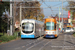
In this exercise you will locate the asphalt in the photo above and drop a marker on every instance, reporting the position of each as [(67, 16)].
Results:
[(65, 41)]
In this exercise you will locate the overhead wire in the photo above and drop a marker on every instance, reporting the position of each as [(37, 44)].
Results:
[(57, 4), (52, 6), (49, 7)]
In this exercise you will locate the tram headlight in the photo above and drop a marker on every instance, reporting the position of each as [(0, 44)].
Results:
[(45, 34), (53, 32)]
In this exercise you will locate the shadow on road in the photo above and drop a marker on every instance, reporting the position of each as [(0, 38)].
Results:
[(50, 38), (70, 42), (29, 38)]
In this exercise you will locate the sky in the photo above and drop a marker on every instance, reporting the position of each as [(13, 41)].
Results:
[(53, 10)]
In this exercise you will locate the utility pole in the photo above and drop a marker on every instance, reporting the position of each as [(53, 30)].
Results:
[(14, 12), (59, 17), (20, 13), (62, 13), (59, 14), (11, 33)]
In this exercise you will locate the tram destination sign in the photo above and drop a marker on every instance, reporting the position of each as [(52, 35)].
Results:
[(36, 0)]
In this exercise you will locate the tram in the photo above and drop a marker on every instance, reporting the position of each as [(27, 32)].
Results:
[(69, 28), (51, 28), (31, 28)]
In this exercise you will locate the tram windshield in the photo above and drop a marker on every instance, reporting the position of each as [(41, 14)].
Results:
[(68, 28), (27, 27), (50, 26)]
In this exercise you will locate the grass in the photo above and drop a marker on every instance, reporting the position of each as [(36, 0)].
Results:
[(74, 34), (1, 33)]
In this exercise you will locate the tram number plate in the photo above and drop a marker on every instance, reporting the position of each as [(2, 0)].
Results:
[(51, 36)]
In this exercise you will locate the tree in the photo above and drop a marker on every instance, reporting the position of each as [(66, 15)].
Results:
[(3, 25), (56, 15), (28, 13), (72, 4)]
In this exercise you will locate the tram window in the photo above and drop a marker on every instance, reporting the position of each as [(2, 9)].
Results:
[(68, 27), (23, 27), (55, 26), (28, 27), (23, 23), (44, 26), (50, 26)]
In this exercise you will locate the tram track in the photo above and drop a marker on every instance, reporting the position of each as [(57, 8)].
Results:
[(65, 41), (39, 45), (68, 43), (72, 41), (44, 45), (30, 43)]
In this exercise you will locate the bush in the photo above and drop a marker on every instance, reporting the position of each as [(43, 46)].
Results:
[(17, 34), (7, 38), (4, 38), (1, 33), (74, 34)]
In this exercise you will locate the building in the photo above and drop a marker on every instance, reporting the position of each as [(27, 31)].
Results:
[(65, 21)]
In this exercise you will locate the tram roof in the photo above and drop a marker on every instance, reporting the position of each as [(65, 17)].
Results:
[(50, 20), (34, 20)]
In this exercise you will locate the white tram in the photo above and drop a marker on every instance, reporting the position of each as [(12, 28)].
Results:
[(31, 28)]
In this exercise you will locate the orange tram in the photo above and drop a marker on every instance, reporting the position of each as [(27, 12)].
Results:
[(51, 28)]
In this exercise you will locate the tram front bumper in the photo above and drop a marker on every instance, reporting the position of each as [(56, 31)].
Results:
[(50, 36), (27, 36)]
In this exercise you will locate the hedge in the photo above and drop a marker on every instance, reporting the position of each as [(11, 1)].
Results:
[(6, 38), (74, 34)]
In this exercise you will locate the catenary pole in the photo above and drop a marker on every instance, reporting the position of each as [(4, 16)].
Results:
[(59, 16), (62, 13), (11, 33)]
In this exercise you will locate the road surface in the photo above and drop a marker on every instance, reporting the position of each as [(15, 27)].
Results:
[(65, 41)]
